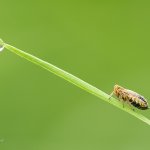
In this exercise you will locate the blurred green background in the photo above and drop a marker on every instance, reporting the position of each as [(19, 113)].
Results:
[(103, 43)]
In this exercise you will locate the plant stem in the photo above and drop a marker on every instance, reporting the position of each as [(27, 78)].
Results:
[(74, 80)]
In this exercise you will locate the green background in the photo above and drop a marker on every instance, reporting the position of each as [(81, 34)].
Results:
[(103, 43)]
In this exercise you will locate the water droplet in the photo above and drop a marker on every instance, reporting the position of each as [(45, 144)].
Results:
[(1, 48), (1, 45)]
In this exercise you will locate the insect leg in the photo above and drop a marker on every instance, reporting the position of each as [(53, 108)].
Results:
[(111, 95), (130, 106), (122, 102)]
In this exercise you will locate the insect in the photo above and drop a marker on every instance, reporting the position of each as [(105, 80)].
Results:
[(130, 97)]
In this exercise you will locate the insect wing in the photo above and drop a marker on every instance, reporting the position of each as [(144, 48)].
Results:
[(132, 93)]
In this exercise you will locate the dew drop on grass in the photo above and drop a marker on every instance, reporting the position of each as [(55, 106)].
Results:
[(1, 45), (1, 48)]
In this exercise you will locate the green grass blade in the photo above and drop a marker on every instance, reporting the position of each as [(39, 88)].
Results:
[(74, 80)]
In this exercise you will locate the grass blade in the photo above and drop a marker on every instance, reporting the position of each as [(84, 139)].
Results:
[(74, 80)]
